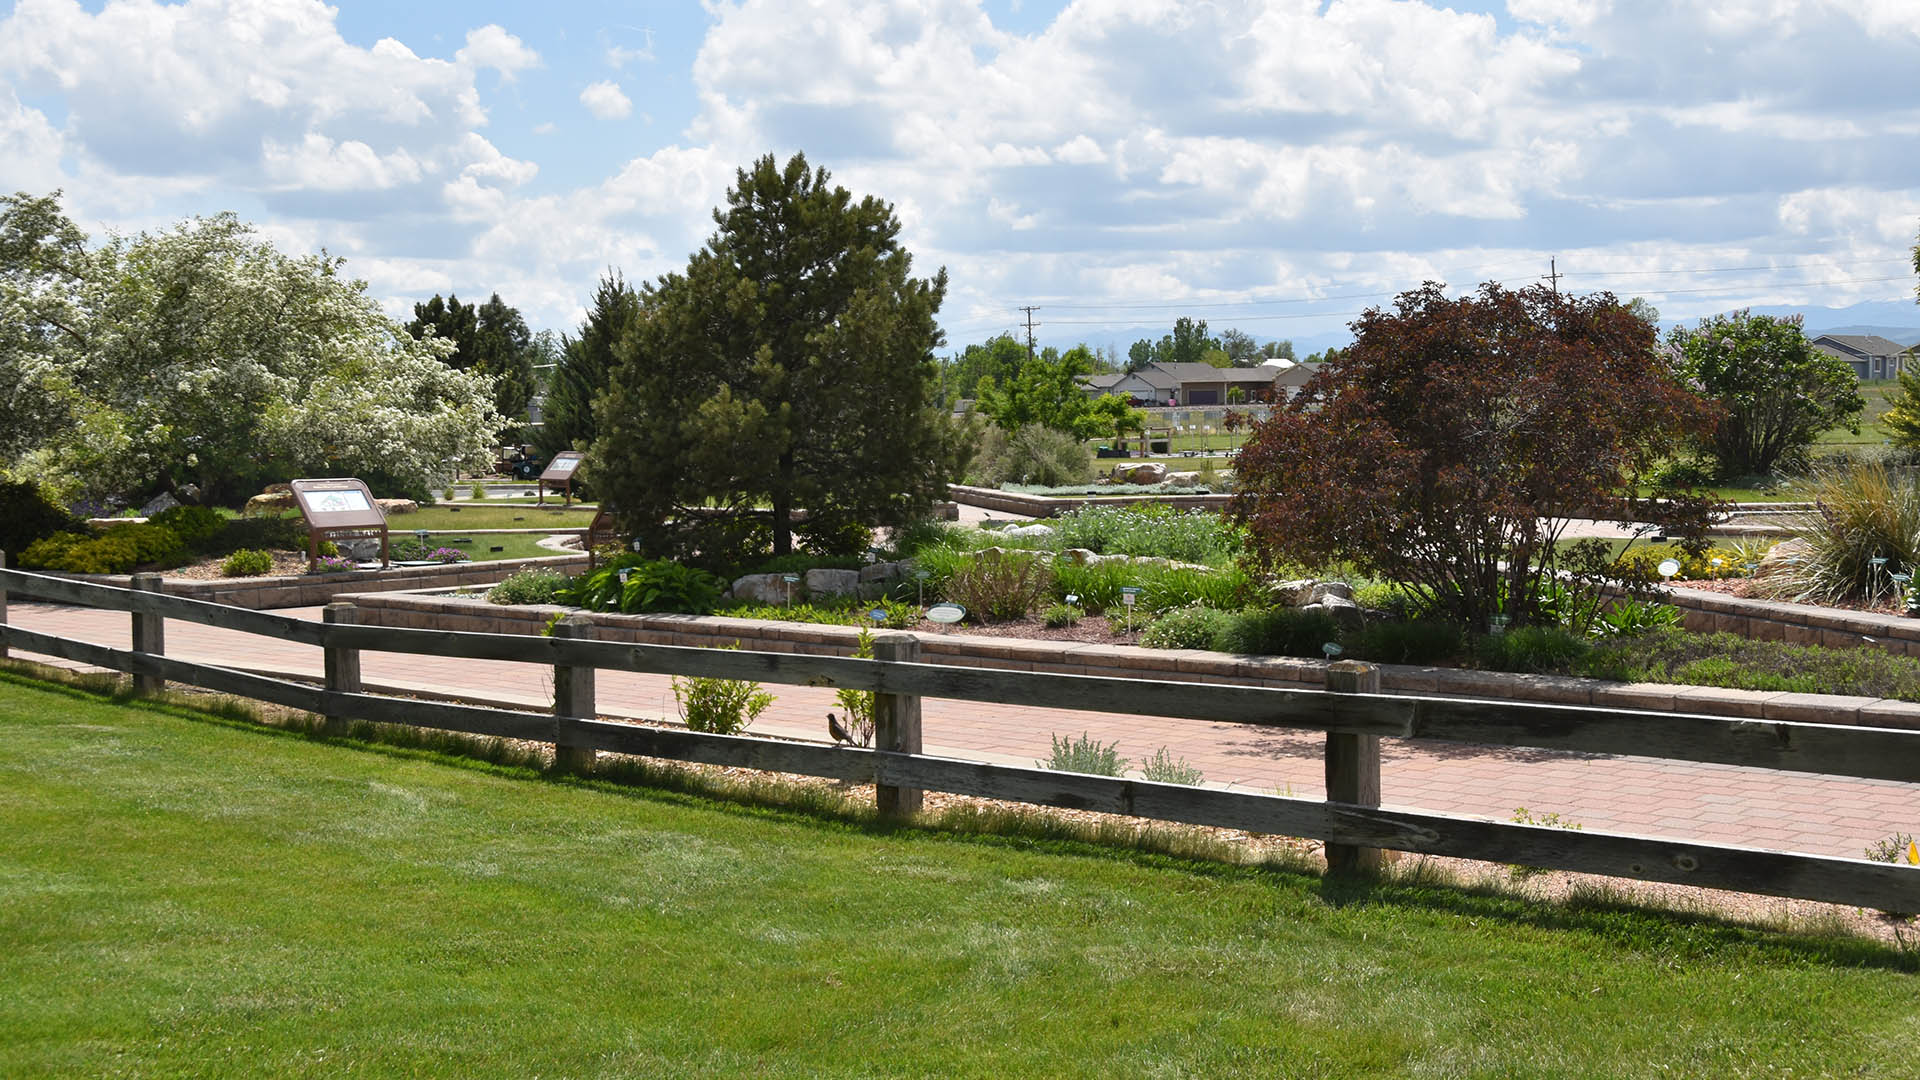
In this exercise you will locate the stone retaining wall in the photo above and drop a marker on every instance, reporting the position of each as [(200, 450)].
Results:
[(308, 590), (1798, 624), (1042, 506), (1186, 665)]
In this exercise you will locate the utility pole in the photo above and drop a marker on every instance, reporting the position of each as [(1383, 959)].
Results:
[(1553, 274), (1029, 309)]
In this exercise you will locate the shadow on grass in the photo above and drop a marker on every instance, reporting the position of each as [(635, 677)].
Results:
[(1414, 884)]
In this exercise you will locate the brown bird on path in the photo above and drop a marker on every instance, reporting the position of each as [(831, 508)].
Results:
[(838, 730)]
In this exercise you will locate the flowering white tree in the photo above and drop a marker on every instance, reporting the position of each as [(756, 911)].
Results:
[(202, 356)]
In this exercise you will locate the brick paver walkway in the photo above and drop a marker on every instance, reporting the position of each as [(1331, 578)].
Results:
[(1723, 804)]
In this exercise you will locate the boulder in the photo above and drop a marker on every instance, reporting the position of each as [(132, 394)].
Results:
[(765, 589), (1079, 557), (833, 582), (1346, 614), (397, 506), (1030, 530), (1184, 479), (1292, 593), (272, 502), (1146, 472), (359, 550), (1322, 590), (882, 571), (278, 489), (1781, 556), (159, 504)]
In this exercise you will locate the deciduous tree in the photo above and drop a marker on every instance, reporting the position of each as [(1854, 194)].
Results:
[(789, 367), (202, 361), (1775, 391), (1047, 392), (1446, 446)]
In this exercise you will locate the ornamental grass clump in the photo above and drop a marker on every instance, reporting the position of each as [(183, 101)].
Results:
[(996, 587), (1863, 512)]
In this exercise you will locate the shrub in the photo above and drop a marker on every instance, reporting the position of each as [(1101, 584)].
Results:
[(1643, 563), (1164, 588), (1898, 848), (247, 562), (856, 706), (1033, 455), (1059, 615), (477, 491), (1198, 537), (271, 533), (1739, 663), (27, 515), (1631, 618), (1162, 767), (911, 539), (1530, 649), (1085, 755), (529, 586), (1865, 513), (1423, 641), (199, 527), (719, 706), (648, 585), (1186, 628), (999, 588), (115, 551), (1279, 631)]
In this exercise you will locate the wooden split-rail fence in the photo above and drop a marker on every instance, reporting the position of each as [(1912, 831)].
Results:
[(1351, 713)]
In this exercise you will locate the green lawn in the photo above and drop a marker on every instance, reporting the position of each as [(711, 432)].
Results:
[(489, 516), (182, 895)]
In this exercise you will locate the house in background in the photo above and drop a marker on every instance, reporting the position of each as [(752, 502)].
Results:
[(1870, 356), (1197, 384)]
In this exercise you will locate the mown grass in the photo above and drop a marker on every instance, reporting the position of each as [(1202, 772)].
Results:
[(489, 516), (186, 895)]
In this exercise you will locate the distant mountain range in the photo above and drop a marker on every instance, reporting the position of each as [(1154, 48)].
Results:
[(1895, 320)]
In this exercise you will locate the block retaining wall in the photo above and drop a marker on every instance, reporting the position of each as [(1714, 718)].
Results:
[(308, 590), (1797, 624), (430, 612)]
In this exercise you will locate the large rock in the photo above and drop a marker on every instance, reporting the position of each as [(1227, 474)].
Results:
[(1146, 472), (1030, 530), (1346, 614), (272, 502), (1781, 556), (367, 550), (397, 506), (1184, 479), (1292, 593), (833, 582), (882, 572), (159, 504), (1079, 557), (1322, 590), (765, 589)]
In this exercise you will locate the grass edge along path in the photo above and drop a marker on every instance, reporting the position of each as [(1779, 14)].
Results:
[(185, 892)]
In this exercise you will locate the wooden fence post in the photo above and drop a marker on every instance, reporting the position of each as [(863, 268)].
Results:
[(572, 700), (343, 664), (149, 636), (3, 605), (1353, 766), (896, 725)]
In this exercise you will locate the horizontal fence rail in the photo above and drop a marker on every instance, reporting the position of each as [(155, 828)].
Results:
[(1832, 750)]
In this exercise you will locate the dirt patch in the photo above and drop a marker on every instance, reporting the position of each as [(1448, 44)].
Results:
[(285, 563), (1747, 589)]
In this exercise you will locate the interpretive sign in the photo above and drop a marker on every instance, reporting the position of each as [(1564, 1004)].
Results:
[(559, 475), (339, 509)]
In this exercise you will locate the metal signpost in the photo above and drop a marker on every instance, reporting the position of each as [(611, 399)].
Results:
[(338, 509)]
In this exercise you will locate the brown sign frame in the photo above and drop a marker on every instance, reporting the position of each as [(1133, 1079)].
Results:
[(340, 508), (560, 478)]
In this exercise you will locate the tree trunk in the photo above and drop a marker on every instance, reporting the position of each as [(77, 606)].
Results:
[(783, 507)]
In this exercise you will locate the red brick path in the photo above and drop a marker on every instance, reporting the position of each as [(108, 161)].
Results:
[(1717, 803)]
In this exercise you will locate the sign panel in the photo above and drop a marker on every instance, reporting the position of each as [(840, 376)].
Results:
[(338, 504), (562, 467)]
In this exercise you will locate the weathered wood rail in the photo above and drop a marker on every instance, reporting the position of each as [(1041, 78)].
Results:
[(1351, 822)]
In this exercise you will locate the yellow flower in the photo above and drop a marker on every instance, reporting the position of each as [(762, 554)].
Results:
[(1913, 852)]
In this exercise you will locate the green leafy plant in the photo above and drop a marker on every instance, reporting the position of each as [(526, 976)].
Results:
[(1097, 585), (532, 585), (477, 491), (1898, 848), (1033, 455), (633, 584), (1185, 628), (271, 533), (1164, 587), (1551, 820), (1280, 631), (1163, 768), (1061, 615), (997, 588), (1736, 662), (1396, 642), (856, 706), (719, 706), (117, 550), (1148, 530), (1085, 755), (199, 527), (1630, 618), (1530, 649), (247, 562), (27, 515)]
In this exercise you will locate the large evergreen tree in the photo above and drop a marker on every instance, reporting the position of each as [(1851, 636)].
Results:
[(790, 366), (585, 367)]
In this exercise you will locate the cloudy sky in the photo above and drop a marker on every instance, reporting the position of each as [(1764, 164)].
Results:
[(1273, 166)]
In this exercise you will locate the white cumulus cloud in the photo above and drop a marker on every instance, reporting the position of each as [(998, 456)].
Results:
[(605, 100)]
